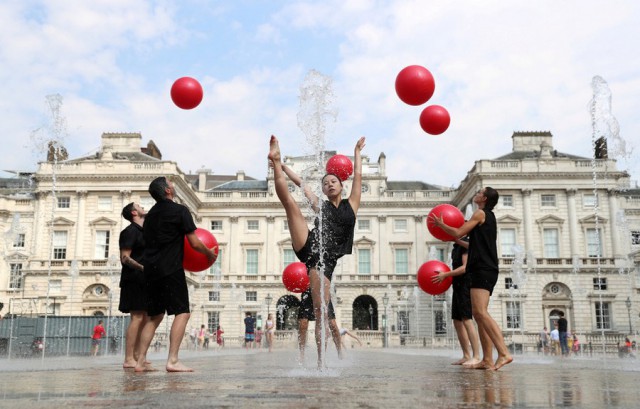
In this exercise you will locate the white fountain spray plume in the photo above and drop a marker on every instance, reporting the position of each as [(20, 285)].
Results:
[(48, 138), (605, 137), (315, 118), (113, 262), (518, 275)]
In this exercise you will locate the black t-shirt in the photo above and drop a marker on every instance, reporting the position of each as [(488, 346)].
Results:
[(483, 252), (132, 238), (562, 324), (249, 325), (337, 227), (165, 226)]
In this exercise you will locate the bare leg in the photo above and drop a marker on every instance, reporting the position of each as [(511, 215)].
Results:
[(175, 339), (297, 223), (320, 293), (148, 331), (303, 325), (463, 339), (132, 343), (337, 339), (490, 334), (472, 335)]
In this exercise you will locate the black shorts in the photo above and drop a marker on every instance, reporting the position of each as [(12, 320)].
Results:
[(484, 279), (461, 301), (305, 312), (168, 294), (133, 297), (310, 256)]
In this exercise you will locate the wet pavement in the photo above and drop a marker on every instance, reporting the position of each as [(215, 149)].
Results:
[(366, 378)]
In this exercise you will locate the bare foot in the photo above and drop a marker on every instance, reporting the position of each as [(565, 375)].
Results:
[(145, 368), (274, 150), (471, 362), (459, 361), (502, 361), (482, 365), (129, 364), (178, 367)]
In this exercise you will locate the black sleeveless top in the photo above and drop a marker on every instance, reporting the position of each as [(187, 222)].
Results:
[(456, 261), (483, 251), (337, 227)]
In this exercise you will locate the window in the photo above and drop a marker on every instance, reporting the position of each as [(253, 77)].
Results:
[(364, 188), (513, 315), (635, 237), (213, 320), (288, 257), (403, 322), (216, 225), (64, 202), (55, 286), (253, 225), (18, 242), (603, 317), (401, 261), (400, 225), (600, 283), (440, 323), (440, 253), (506, 200), (59, 245), (251, 296), (252, 261), (550, 238), (15, 278), (214, 295), (548, 200), (508, 283), (102, 244), (105, 203), (589, 200), (594, 243), (216, 268), (285, 225), (364, 261), (364, 225), (507, 241)]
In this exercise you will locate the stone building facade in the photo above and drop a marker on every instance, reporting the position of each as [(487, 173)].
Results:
[(569, 235)]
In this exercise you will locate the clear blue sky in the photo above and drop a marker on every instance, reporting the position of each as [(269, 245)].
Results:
[(499, 67)]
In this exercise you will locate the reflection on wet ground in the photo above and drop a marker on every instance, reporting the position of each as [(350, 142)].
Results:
[(371, 378)]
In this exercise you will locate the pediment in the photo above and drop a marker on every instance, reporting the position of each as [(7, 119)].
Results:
[(509, 219), (102, 221), (550, 219), (61, 221), (364, 241), (17, 257), (593, 219)]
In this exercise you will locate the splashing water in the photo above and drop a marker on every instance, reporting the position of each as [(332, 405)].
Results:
[(315, 119)]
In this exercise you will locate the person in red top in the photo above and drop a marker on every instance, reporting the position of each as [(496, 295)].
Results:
[(219, 339), (98, 333)]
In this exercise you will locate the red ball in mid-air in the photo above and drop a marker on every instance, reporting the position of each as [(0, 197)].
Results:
[(195, 261), (427, 271), (186, 93), (415, 85), (340, 166), (451, 216), (295, 277), (434, 119)]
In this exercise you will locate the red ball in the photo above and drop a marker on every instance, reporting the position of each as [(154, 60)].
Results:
[(428, 270), (434, 119), (195, 261), (186, 93), (451, 216), (295, 277), (340, 166), (415, 85)]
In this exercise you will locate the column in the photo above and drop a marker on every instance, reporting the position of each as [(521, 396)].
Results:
[(573, 222), (526, 219), (82, 200), (613, 225)]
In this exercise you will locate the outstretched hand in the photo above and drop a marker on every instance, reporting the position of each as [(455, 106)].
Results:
[(438, 277), (360, 144)]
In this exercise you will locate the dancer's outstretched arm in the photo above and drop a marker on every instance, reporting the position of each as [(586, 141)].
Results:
[(356, 187)]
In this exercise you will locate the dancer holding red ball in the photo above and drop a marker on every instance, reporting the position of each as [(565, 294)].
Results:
[(482, 264), (334, 240)]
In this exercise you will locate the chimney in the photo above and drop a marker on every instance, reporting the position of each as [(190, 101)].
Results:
[(601, 148), (202, 179), (240, 175)]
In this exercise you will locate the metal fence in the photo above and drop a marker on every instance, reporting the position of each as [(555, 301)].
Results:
[(22, 337)]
